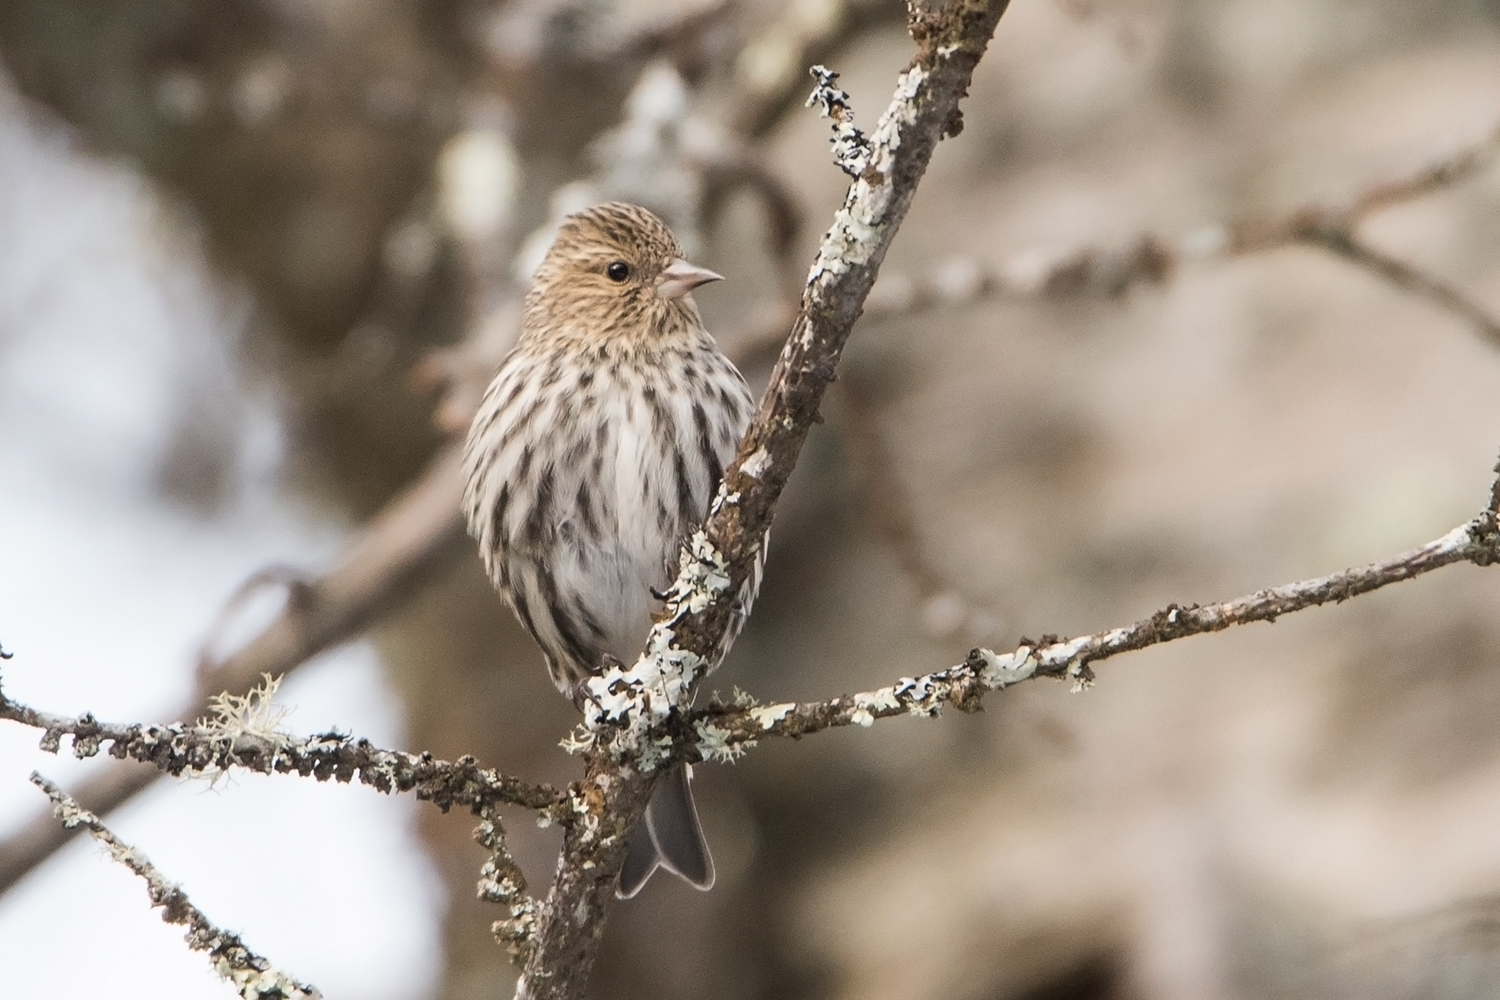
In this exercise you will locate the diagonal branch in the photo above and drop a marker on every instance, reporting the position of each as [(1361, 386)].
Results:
[(253, 977), (724, 732), (1350, 247), (636, 707)]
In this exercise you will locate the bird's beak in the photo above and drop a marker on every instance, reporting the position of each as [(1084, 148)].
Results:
[(680, 277)]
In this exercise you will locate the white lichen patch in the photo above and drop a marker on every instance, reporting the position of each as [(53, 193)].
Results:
[(254, 714), (716, 744), (858, 227), (851, 150), (767, 716), (1458, 538), (1064, 654), (882, 700), (577, 741), (757, 463), (239, 723), (260, 984), (1002, 671), (923, 696), (638, 698)]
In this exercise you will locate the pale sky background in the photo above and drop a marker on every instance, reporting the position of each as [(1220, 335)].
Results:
[(112, 332)]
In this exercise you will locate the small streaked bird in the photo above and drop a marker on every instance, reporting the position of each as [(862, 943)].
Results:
[(596, 451)]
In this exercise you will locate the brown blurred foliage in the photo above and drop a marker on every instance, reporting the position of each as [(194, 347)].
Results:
[(1304, 810)]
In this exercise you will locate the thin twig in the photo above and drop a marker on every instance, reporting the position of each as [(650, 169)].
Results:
[(1410, 278), (501, 881), (253, 977)]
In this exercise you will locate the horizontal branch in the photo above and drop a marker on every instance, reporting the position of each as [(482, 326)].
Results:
[(237, 738), (723, 732), (253, 977)]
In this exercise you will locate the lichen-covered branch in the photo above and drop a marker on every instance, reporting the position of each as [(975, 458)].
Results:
[(253, 977), (724, 731), (502, 882), (714, 565), (241, 734), (629, 726)]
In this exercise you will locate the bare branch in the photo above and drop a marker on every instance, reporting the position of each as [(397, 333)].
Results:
[(1406, 276), (723, 731), (234, 738), (253, 977), (1149, 259), (1444, 173)]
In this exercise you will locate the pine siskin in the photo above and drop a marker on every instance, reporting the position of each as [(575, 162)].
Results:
[(597, 449)]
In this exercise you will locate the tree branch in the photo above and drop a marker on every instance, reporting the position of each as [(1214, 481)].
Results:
[(1150, 258), (724, 732), (253, 977), (634, 711), (1408, 277), (243, 734)]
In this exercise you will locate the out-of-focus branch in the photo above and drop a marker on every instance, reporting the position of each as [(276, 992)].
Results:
[(1109, 272), (724, 731), (415, 536), (729, 163), (253, 977), (770, 73), (241, 732), (1407, 277), (637, 708), (887, 505)]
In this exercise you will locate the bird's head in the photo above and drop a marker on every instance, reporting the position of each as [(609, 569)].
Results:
[(615, 270)]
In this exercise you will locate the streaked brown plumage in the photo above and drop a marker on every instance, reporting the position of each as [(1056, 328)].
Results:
[(596, 450)]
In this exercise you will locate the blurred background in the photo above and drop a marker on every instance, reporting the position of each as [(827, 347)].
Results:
[(257, 258)]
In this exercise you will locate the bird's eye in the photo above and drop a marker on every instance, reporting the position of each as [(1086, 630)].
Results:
[(618, 271)]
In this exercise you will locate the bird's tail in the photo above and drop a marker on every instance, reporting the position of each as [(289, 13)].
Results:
[(670, 837)]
